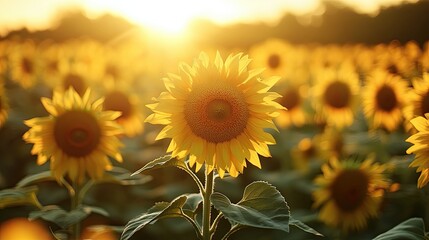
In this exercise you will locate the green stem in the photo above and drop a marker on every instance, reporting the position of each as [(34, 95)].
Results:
[(207, 204), (232, 231), (216, 222), (75, 202), (194, 224)]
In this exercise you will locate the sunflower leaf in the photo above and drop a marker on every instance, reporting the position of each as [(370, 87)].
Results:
[(35, 178), (158, 211), (19, 196), (303, 226), (62, 218), (262, 206), (123, 177), (411, 229), (162, 162)]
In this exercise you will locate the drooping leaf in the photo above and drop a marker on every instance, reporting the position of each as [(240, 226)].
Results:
[(63, 218), (19, 196), (158, 211), (303, 226), (162, 162), (262, 206), (411, 229), (193, 201), (35, 178), (124, 177)]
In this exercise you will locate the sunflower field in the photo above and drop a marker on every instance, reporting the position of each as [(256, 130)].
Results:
[(134, 139)]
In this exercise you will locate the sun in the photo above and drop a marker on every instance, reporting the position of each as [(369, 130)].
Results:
[(161, 16)]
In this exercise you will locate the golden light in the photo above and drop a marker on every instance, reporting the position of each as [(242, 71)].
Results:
[(23, 229)]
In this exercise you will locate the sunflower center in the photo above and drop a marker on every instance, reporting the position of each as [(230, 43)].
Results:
[(118, 101), (307, 148), (76, 82), (337, 94), (27, 65), (425, 104), (274, 61), (393, 69), (386, 99), (216, 112), (291, 98), (112, 70), (77, 133), (349, 189)]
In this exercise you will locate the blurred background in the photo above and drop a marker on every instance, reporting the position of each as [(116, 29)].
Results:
[(103, 45)]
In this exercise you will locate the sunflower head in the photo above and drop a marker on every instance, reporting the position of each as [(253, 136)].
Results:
[(77, 137), (350, 192), (4, 105), (418, 104), (420, 140), (215, 112)]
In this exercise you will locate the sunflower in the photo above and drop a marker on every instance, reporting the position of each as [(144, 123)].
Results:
[(294, 90), (25, 66), (349, 193), (4, 105), (418, 103), (305, 153), (127, 103), (77, 137), (336, 96), (216, 112), (273, 55), (383, 100), (420, 141), (332, 143)]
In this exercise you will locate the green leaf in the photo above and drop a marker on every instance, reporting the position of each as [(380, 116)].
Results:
[(411, 229), (19, 196), (193, 201), (158, 211), (262, 206), (124, 177), (162, 162), (35, 178), (62, 218), (303, 226)]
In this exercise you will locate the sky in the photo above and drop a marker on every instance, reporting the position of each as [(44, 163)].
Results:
[(170, 15)]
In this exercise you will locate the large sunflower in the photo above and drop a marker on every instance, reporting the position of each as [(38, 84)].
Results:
[(216, 112), (418, 104), (420, 141), (383, 100), (349, 193), (77, 137), (336, 96)]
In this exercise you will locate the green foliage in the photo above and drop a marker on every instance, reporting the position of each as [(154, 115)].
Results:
[(35, 178), (19, 196), (64, 219), (411, 229), (262, 206), (162, 162)]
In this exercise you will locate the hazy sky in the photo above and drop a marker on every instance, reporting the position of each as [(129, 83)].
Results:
[(170, 15)]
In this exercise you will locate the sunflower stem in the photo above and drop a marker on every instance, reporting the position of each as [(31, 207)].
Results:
[(231, 231), (75, 202), (208, 190)]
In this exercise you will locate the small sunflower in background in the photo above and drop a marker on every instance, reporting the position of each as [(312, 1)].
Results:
[(384, 99), (332, 143), (121, 99), (336, 96), (77, 136), (349, 193), (4, 105), (25, 64), (53, 62), (420, 141), (418, 104), (273, 55), (216, 112), (294, 91), (71, 78), (305, 153)]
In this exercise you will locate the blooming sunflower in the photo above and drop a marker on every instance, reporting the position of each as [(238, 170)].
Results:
[(25, 66), (418, 103), (420, 141), (128, 105), (383, 100), (349, 193), (336, 96), (216, 112), (273, 55), (77, 137), (4, 105)]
